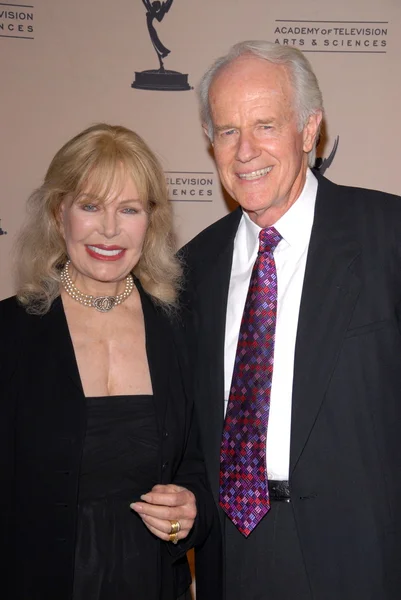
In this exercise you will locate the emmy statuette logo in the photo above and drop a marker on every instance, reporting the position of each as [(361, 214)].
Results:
[(160, 79)]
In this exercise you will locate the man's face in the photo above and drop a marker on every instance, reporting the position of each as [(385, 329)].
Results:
[(260, 153)]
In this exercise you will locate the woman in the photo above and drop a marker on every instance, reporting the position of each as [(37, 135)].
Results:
[(103, 490)]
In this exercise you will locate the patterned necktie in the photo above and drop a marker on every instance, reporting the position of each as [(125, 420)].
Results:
[(244, 494)]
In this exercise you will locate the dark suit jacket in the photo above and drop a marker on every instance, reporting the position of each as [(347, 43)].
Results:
[(42, 429), (345, 457)]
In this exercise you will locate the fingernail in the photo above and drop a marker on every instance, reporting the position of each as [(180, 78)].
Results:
[(137, 507)]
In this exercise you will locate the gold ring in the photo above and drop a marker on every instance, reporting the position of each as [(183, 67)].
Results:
[(175, 527), (173, 537)]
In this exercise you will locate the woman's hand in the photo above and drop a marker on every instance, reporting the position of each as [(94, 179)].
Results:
[(163, 506)]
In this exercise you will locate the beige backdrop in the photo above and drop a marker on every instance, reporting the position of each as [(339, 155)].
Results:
[(68, 64)]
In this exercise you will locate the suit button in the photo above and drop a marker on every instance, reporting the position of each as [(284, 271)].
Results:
[(165, 434), (164, 465), (310, 496)]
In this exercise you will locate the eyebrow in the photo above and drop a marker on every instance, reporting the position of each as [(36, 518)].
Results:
[(219, 128), (265, 121), (130, 200), (88, 196)]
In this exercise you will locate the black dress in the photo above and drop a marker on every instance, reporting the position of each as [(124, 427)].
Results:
[(116, 555)]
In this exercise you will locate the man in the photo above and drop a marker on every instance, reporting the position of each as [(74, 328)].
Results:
[(298, 335)]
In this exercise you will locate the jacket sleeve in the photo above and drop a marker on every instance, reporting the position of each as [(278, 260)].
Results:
[(191, 472), (8, 374), (205, 535)]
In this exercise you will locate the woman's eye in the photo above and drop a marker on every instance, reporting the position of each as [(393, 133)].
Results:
[(130, 211), (89, 207)]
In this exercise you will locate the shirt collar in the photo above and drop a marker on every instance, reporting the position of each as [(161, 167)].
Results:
[(294, 226)]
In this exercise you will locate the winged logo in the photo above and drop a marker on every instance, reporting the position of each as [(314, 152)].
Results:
[(322, 164)]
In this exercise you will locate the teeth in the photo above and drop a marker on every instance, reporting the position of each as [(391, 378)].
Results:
[(104, 252), (255, 174)]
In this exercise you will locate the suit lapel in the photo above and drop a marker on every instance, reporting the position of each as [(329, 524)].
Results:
[(210, 302), (330, 291), (158, 354), (58, 413), (60, 343)]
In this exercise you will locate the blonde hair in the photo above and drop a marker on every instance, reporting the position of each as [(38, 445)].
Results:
[(102, 154)]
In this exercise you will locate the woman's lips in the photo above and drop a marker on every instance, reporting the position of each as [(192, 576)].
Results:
[(108, 253)]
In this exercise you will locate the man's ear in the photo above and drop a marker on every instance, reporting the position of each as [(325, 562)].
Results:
[(311, 129), (206, 132)]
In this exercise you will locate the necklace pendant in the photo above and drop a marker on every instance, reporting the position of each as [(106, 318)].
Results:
[(104, 303), (101, 303)]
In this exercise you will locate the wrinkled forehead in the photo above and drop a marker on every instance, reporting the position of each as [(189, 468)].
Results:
[(249, 77), (248, 68)]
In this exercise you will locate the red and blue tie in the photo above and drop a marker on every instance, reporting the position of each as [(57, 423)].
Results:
[(244, 493)]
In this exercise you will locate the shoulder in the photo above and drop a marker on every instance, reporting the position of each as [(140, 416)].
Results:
[(213, 236), (367, 211), (201, 253), (360, 196), (10, 303), (16, 323), (383, 200), (12, 309), (11, 312), (12, 316), (371, 217)]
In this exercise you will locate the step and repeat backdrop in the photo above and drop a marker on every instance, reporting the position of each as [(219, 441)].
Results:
[(68, 64)]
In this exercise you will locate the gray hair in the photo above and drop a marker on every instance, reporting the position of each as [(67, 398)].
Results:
[(308, 97)]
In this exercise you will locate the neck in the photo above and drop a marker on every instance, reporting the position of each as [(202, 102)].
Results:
[(93, 287), (104, 302)]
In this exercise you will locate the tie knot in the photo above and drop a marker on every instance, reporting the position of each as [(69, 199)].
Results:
[(269, 238)]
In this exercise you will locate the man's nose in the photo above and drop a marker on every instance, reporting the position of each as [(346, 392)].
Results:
[(247, 148)]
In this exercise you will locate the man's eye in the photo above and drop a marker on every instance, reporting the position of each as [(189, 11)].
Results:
[(228, 132)]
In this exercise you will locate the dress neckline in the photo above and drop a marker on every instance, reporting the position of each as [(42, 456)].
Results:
[(117, 397)]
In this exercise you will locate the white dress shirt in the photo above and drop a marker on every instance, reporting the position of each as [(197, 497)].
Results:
[(290, 257)]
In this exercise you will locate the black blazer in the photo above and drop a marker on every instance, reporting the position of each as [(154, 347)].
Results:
[(345, 457), (42, 429)]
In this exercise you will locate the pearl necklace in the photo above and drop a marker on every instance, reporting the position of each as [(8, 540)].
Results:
[(101, 303)]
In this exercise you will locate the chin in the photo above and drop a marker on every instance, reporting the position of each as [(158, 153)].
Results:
[(255, 206)]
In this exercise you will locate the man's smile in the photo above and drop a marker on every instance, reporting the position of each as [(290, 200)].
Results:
[(255, 174)]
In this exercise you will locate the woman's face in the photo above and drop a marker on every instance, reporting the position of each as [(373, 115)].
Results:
[(104, 239)]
